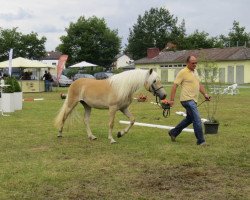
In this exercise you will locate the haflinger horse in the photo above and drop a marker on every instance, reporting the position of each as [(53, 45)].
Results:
[(114, 93)]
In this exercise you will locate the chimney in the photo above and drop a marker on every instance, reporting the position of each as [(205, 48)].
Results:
[(152, 52)]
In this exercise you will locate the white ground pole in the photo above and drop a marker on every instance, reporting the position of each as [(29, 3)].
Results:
[(155, 126), (184, 115)]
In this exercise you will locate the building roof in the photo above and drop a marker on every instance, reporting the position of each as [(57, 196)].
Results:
[(213, 54), (52, 55), (120, 55)]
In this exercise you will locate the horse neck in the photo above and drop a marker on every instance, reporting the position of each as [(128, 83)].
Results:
[(128, 82)]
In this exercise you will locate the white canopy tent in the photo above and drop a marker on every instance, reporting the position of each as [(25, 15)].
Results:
[(83, 64), (25, 63)]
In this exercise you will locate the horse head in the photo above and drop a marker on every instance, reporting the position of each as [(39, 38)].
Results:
[(154, 85)]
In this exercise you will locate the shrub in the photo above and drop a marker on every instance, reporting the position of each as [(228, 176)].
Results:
[(10, 88), (13, 85), (17, 87)]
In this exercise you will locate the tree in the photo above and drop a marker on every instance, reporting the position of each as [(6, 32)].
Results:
[(9, 38), (32, 47), (154, 29), (27, 46), (209, 72), (198, 40), (90, 40), (237, 36)]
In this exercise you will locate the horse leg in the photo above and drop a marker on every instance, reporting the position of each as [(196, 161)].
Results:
[(112, 113), (86, 120), (63, 115), (131, 119)]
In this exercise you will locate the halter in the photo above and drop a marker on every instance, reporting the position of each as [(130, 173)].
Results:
[(155, 90), (164, 106)]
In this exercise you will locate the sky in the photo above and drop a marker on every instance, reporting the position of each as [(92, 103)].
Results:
[(49, 18)]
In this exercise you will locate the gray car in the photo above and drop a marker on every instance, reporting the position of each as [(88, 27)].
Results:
[(77, 76), (64, 81), (102, 75)]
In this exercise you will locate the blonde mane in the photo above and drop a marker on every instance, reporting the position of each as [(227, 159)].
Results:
[(128, 82)]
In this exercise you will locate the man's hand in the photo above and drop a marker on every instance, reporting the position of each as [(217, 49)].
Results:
[(207, 97), (165, 101), (171, 103)]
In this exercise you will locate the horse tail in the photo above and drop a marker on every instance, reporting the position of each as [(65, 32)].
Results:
[(60, 118)]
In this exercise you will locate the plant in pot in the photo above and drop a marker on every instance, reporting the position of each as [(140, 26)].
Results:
[(208, 70), (8, 96)]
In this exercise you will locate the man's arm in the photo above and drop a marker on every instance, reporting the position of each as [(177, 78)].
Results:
[(172, 95), (203, 92)]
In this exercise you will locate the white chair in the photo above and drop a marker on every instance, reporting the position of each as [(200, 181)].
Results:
[(233, 89)]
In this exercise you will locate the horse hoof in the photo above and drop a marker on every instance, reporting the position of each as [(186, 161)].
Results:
[(119, 134), (59, 136), (113, 142), (92, 138)]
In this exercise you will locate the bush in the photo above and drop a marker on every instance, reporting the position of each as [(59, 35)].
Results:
[(17, 87), (13, 85)]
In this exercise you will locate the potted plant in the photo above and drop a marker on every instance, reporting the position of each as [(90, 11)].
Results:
[(208, 70), (18, 95), (8, 96)]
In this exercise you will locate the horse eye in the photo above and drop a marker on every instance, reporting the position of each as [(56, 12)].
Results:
[(154, 81)]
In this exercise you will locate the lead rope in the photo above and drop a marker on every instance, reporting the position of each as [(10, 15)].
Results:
[(164, 106), (166, 109), (206, 99)]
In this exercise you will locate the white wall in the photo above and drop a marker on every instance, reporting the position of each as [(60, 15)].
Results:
[(51, 62), (122, 61)]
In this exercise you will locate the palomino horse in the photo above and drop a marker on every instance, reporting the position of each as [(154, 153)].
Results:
[(114, 93)]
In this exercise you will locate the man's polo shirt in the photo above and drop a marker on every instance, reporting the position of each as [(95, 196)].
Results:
[(190, 84)]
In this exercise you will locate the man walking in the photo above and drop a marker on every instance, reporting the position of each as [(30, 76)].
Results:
[(190, 84)]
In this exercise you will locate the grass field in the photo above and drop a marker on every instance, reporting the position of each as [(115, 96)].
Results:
[(144, 164)]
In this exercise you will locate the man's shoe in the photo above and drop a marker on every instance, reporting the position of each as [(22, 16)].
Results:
[(171, 136), (203, 144)]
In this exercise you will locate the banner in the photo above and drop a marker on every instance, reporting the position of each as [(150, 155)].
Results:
[(10, 61), (60, 65)]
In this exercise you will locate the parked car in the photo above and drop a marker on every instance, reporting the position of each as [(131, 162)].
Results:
[(102, 75), (64, 81), (77, 76)]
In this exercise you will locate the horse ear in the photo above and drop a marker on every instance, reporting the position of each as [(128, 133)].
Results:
[(150, 71)]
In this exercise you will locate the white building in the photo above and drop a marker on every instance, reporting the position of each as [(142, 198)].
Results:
[(122, 61), (51, 58)]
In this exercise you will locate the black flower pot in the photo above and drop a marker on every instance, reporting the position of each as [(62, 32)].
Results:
[(211, 127)]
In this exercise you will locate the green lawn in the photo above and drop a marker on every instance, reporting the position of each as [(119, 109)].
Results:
[(144, 164)]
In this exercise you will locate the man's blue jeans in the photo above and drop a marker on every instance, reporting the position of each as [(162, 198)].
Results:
[(47, 85), (193, 116)]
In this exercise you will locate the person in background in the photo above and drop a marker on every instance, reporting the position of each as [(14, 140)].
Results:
[(48, 84), (190, 84)]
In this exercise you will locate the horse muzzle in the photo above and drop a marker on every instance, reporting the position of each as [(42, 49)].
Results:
[(159, 92), (161, 95)]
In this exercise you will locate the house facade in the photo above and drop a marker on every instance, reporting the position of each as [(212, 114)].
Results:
[(51, 58), (233, 63), (122, 61)]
